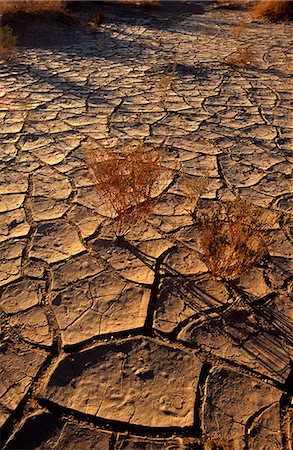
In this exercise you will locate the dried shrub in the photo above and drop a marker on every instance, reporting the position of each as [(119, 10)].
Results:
[(166, 80), (95, 20), (234, 238), (241, 58), (127, 177), (32, 6), (7, 42), (273, 10), (164, 85), (192, 188), (238, 30)]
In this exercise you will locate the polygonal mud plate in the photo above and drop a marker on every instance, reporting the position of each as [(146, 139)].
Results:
[(231, 401), (19, 364), (138, 381), (102, 305), (55, 241)]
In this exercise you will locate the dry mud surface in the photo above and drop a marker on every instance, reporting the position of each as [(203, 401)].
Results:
[(109, 345)]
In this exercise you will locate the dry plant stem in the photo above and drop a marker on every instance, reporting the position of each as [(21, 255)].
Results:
[(193, 189), (127, 178), (234, 238), (164, 86), (95, 20), (216, 444), (238, 30), (241, 58), (7, 42)]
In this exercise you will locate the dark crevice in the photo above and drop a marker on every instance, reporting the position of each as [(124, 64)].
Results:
[(113, 441), (102, 339), (115, 425), (52, 321), (250, 423), (154, 290), (23, 407), (285, 405), (199, 400)]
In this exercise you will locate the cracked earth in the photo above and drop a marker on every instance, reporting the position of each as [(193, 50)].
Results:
[(136, 345)]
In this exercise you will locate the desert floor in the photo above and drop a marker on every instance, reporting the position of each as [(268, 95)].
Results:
[(134, 344)]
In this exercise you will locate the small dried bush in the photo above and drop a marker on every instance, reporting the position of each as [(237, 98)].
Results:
[(192, 188), (95, 20), (241, 58), (127, 177), (273, 10), (234, 238), (238, 30), (32, 6), (7, 42), (164, 85)]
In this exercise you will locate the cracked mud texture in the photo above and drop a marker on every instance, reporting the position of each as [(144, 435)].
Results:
[(130, 378), (133, 344)]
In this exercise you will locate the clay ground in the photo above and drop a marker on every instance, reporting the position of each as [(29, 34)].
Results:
[(136, 345)]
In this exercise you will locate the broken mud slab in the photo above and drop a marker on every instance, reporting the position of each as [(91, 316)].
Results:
[(146, 382)]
